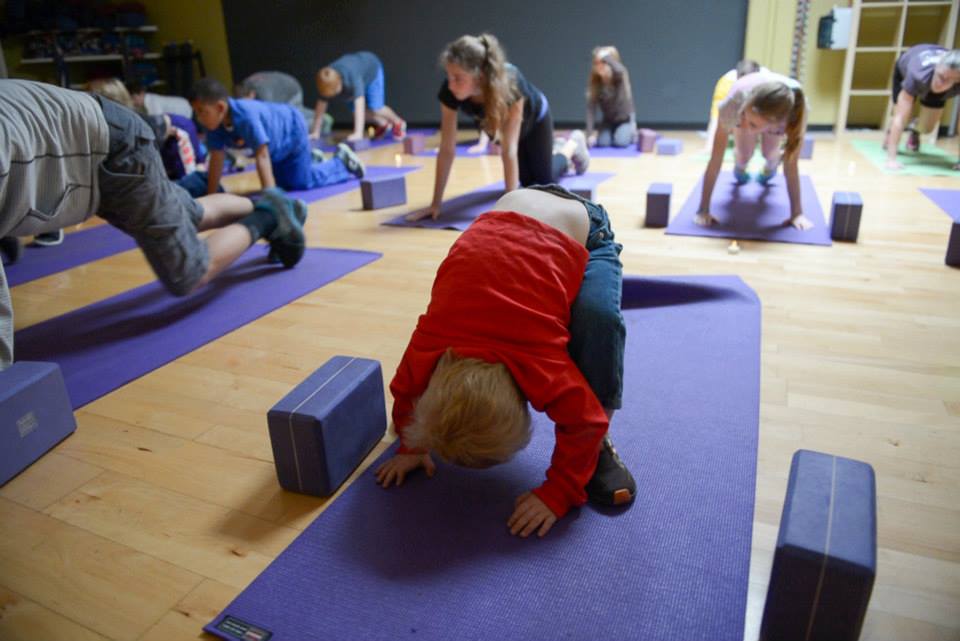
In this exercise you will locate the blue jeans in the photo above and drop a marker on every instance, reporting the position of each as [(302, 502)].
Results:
[(298, 171), (598, 333)]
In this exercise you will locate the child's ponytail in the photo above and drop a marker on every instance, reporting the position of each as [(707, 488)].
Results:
[(796, 124)]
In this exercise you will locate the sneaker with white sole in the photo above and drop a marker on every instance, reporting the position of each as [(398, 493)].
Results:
[(350, 158), (49, 239)]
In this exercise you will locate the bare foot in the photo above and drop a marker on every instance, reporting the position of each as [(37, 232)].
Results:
[(704, 219)]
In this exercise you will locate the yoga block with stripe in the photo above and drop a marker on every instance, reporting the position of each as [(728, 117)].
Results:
[(322, 430), (646, 140), (806, 151), (658, 205), (826, 556), (35, 414), (953, 246), (669, 146), (414, 144), (383, 191), (581, 186), (846, 209), (359, 145)]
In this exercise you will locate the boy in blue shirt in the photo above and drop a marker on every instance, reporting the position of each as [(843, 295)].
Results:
[(275, 132), (357, 78)]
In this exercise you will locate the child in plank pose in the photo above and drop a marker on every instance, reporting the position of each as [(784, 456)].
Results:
[(526, 307), (930, 74), (609, 92), (482, 84), (358, 78), (764, 107), (65, 155), (275, 132)]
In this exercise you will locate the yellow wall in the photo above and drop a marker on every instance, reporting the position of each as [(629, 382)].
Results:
[(769, 37), (768, 40), (198, 20)]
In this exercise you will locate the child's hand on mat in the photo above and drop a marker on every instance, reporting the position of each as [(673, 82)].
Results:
[(529, 514), (592, 140), (396, 469), (314, 135), (355, 136), (420, 214), (801, 222), (893, 164), (704, 219)]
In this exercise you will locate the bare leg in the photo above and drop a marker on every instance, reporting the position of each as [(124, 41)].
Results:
[(387, 114), (928, 119), (377, 119), (220, 210)]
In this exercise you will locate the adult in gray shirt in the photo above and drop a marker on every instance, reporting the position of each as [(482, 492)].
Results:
[(65, 155), (930, 74)]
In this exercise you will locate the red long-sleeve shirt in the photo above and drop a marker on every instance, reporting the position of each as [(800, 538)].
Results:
[(503, 294)]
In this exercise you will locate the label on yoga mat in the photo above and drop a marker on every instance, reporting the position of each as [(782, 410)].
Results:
[(242, 630)]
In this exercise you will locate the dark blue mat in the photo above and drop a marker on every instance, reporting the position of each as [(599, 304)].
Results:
[(108, 344), (433, 560)]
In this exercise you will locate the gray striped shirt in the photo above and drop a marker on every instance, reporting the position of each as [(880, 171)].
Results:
[(52, 141)]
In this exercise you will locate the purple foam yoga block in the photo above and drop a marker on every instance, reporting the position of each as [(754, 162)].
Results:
[(414, 144), (826, 556), (658, 205), (646, 139), (35, 414), (359, 145), (383, 191), (806, 151), (669, 146), (953, 246), (324, 428), (846, 210)]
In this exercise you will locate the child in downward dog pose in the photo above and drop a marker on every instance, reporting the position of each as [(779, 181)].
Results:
[(358, 78), (526, 307), (609, 91), (482, 84), (764, 107)]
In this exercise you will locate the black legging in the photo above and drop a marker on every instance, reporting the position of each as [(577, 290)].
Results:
[(537, 163)]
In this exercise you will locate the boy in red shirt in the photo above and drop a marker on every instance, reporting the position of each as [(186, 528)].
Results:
[(526, 307)]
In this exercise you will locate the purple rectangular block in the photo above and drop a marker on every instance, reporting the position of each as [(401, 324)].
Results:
[(359, 145), (414, 144), (322, 430), (826, 557), (669, 146), (433, 560), (383, 191), (646, 139), (35, 414), (953, 246), (845, 215), (806, 151), (658, 205)]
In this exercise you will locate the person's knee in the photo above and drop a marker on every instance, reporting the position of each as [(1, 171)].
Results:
[(604, 138), (623, 136)]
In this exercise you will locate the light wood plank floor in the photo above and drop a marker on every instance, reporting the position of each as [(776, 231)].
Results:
[(164, 504)]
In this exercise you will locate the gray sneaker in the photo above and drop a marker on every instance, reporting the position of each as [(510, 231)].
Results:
[(581, 155), (350, 158), (287, 242), (300, 211)]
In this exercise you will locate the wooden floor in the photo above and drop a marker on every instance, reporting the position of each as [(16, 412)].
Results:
[(164, 504)]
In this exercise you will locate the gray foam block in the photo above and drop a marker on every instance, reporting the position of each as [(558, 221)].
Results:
[(383, 191), (846, 210)]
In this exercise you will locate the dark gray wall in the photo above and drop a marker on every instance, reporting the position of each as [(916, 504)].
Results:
[(675, 49)]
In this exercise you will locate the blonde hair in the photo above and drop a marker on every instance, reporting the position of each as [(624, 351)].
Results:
[(111, 88), (483, 57), (777, 102), (472, 413), (595, 82), (329, 82)]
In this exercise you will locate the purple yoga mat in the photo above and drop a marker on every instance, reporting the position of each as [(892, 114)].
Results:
[(108, 344), (433, 560), (946, 199), (753, 212), (78, 248), (461, 151), (460, 212), (615, 152), (326, 145)]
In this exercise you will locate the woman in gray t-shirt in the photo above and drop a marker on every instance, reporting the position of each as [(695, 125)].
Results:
[(930, 74)]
